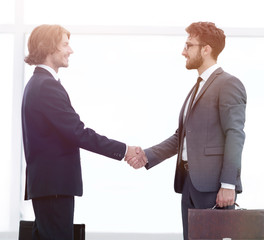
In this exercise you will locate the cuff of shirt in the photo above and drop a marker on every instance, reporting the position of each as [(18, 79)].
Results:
[(125, 152), (228, 186)]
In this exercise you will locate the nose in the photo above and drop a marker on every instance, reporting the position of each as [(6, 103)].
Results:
[(70, 50), (184, 52)]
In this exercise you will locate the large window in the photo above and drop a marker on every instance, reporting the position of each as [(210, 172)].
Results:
[(6, 103), (127, 80)]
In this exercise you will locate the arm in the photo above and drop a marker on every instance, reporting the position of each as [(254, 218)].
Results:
[(162, 151), (232, 107), (154, 155), (65, 124)]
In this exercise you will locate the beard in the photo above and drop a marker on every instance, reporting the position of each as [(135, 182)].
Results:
[(195, 63)]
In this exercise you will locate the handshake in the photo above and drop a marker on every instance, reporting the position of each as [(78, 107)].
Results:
[(136, 157)]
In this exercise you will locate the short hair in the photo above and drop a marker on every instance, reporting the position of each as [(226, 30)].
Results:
[(44, 40), (208, 34)]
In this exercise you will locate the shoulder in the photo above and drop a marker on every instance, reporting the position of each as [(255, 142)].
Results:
[(231, 87), (44, 88), (40, 83), (226, 77), (228, 81)]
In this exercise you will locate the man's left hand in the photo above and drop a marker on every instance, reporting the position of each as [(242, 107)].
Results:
[(225, 197)]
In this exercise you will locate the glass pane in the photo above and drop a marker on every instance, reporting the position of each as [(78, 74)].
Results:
[(120, 85), (131, 88), (237, 13), (6, 61), (7, 11)]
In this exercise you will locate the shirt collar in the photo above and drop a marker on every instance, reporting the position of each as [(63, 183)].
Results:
[(207, 73), (50, 70)]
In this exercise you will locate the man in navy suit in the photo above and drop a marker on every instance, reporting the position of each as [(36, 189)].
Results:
[(52, 136), (210, 136)]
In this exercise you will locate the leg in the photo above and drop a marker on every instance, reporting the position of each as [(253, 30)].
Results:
[(191, 198), (202, 200), (186, 203), (54, 218)]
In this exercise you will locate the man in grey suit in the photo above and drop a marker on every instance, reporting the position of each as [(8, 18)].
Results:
[(210, 137)]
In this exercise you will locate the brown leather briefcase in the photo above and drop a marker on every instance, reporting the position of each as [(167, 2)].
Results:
[(205, 224)]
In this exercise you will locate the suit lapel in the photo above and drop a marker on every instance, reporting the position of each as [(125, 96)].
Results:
[(202, 91), (207, 84)]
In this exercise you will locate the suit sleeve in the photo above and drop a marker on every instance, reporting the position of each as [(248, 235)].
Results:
[(162, 151), (55, 105), (232, 106)]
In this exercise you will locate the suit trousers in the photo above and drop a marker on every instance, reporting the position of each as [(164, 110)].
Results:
[(54, 218), (191, 198)]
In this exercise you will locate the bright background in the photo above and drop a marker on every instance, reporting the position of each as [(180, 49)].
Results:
[(127, 80)]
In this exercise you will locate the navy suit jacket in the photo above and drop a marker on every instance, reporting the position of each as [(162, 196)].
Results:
[(214, 135), (52, 136)]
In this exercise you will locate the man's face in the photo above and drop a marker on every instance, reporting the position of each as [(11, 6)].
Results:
[(192, 53), (61, 57)]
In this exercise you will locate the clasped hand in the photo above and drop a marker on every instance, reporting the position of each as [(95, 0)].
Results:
[(136, 157)]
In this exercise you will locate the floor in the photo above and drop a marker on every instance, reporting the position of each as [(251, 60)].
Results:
[(112, 236)]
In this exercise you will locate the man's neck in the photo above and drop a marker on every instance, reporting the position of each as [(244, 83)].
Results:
[(49, 69), (47, 62), (205, 66)]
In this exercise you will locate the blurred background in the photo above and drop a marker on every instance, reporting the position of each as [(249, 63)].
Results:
[(127, 80)]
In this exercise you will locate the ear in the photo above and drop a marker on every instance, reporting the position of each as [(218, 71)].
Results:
[(207, 50)]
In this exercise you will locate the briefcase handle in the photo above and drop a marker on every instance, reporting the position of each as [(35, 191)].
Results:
[(238, 207)]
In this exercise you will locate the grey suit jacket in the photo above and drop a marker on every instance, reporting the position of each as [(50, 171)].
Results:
[(214, 134)]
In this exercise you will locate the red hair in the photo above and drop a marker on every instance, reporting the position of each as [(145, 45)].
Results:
[(44, 40)]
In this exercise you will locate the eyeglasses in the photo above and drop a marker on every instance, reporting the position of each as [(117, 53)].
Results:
[(188, 45)]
